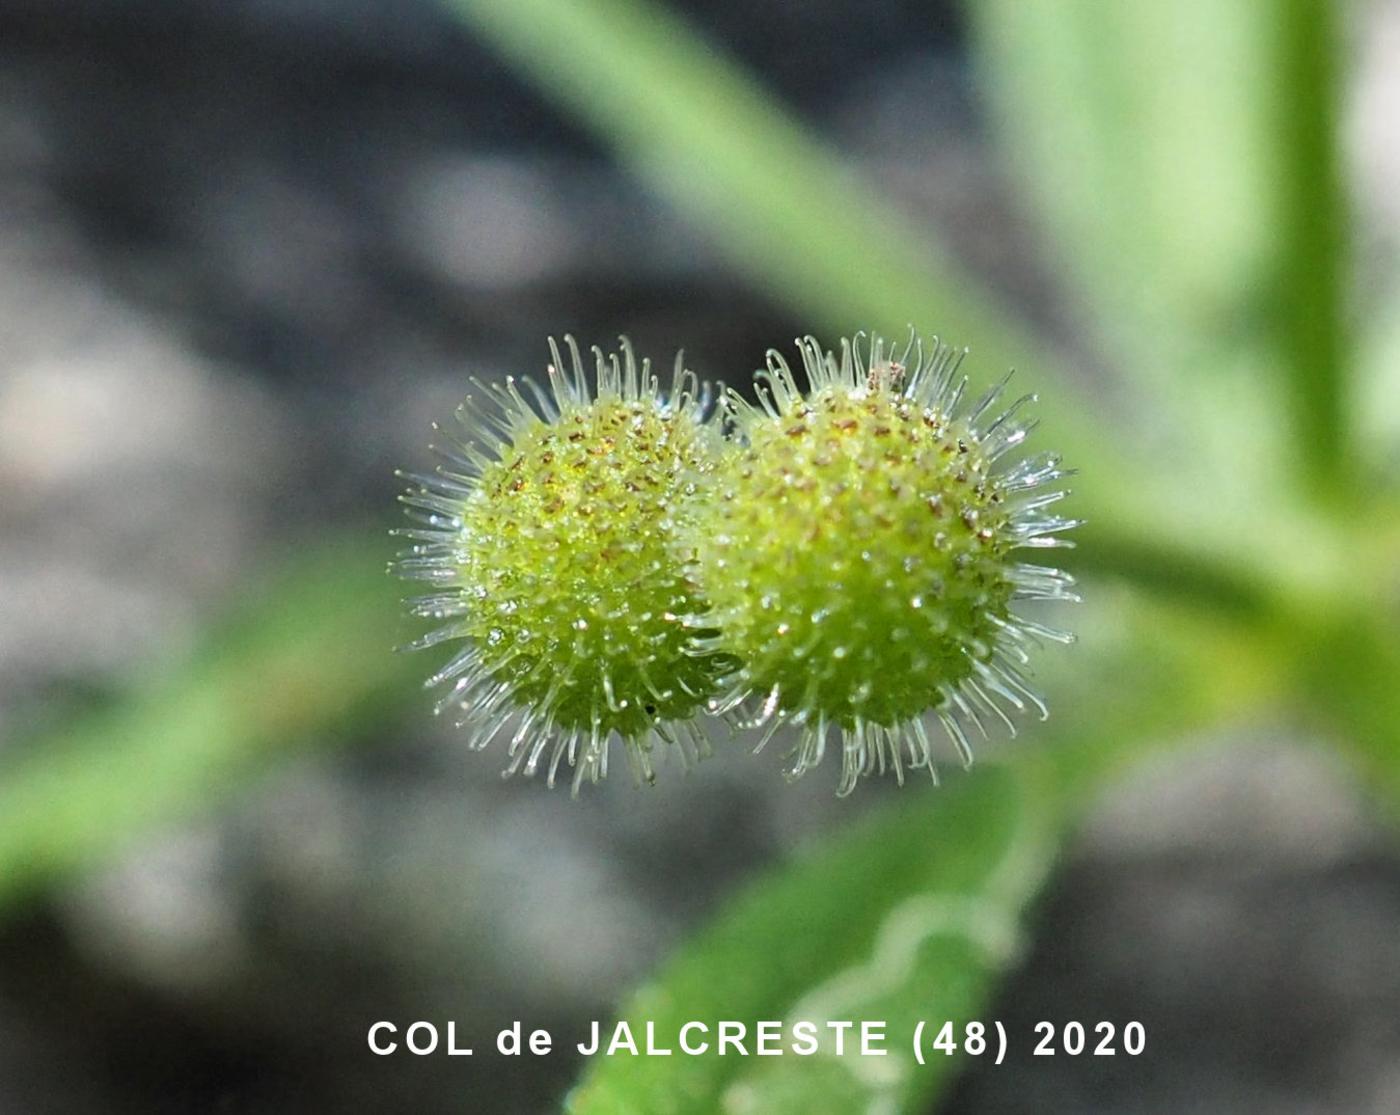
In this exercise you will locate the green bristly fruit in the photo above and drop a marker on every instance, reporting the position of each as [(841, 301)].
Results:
[(844, 564), (552, 535), (859, 562)]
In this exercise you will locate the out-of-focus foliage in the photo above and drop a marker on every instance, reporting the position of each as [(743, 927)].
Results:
[(305, 660), (912, 916), (1182, 159)]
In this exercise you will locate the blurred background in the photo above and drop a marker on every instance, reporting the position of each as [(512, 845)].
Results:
[(248, 252)]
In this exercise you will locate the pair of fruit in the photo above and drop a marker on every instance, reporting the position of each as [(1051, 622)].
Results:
[(616, 559)]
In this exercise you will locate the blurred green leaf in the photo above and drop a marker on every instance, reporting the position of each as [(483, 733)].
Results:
[(903, 918), (1137, 131), (1184, 158), (306, 658), (911, 915)]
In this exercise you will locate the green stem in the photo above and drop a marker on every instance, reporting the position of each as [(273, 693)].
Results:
[(1313, 242)]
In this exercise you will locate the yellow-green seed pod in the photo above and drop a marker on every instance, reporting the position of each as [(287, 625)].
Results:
[(552, 536), (859, 559)]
